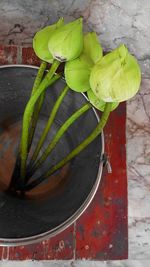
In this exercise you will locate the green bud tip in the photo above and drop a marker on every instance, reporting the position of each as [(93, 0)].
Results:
[(66, 43), (92, 48), (77, 71), (41, 38)]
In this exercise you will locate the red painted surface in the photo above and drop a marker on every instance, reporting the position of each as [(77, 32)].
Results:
[(59, 247), (8, 55), (29, 57), (101, 232)]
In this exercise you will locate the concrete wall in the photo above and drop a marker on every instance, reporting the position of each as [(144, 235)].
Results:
[(115, 21)]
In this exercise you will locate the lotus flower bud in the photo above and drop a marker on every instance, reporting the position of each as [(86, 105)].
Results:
[(92, 47), (77, 71), (116, 77), (66, 43), (40, 41), (77, 74), (98, 103)]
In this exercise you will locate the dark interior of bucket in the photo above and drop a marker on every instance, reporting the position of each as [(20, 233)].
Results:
[(45, 207)]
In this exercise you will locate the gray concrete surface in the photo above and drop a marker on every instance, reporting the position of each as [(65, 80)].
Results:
[(115, 21)]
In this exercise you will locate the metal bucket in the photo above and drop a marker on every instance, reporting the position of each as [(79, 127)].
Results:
[(46, 212)]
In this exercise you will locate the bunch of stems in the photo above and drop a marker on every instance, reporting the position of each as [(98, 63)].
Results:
[(30, 119)]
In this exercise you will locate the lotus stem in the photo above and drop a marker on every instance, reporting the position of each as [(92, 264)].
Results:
[(39, 103), (49, 123), (48, 80), (36, 84), (59, 134), (39, 77), (75, 151)]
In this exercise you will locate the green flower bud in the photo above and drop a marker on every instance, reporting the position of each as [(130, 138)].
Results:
[(66, 43), (77, 74), (92, 47), (40, 41), (77, 71), (98, 103), (116, 77)]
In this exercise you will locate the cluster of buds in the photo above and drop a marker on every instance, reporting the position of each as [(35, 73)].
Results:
[(114, 77), (107, 80)]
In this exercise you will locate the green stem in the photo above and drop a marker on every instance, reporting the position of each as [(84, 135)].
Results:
[(77, 150), (59, 134), (48, 80), (49, 123), (39, 77), (39, 103), (34, 118)]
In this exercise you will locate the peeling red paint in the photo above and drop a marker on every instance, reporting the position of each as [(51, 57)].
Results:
[(29, 57), (59, 247), (101, 232), (102, 229), (8, 54)]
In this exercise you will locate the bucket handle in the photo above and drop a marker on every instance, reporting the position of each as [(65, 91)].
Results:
[(106, 163)]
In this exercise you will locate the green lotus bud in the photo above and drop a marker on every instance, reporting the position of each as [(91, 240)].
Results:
[(98, 103), (116, 77), (77, 74), (92, 47), (77, 71), (40, 41), (66, 43)]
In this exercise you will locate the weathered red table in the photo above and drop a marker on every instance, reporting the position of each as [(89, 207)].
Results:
[(101, 232)]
